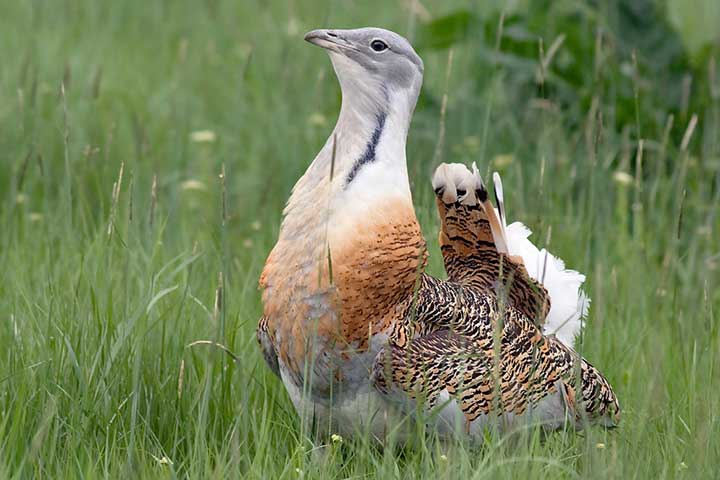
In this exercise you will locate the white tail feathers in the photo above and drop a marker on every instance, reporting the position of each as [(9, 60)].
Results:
[(497, 224), (568, 303), (500, 198)]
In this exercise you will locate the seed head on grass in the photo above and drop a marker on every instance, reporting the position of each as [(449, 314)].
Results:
[(193, 185), (203, 136)]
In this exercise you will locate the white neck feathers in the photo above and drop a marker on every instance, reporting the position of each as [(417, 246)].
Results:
[(365, 155)]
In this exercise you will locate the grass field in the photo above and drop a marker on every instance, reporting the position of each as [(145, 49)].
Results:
[(147, 150)]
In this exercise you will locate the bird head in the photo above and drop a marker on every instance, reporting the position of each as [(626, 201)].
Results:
[(373, 65)]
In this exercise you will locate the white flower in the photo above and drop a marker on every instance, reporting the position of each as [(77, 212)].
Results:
[(162, 461), (193, 185), (600, 446), (623, 178), (203, 136), (336, 438)]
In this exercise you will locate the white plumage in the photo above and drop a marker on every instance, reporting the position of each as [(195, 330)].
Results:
[(568, 303)]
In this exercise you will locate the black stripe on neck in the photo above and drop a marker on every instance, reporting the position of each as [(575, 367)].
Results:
[(368, 156)]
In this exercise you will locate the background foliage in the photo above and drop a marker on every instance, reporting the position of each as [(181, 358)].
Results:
[(122, 243)]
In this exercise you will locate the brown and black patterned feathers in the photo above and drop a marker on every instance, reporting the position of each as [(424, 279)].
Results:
[(470, 247), (490, 359), (477, 338)]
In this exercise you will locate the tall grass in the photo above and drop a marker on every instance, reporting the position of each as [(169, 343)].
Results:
[(147, 151)]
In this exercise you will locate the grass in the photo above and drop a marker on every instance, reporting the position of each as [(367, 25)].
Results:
[(122, 246)]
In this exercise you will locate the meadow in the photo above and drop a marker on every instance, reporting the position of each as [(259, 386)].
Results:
[(147, 150)]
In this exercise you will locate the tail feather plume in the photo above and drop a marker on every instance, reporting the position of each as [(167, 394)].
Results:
[(568, 302)]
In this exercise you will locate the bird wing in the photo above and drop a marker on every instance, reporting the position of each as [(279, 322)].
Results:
[(266, 345), (457, 345), (474, 241)]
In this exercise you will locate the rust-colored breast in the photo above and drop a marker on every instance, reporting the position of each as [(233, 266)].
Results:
[(376, 272), (326, 294)]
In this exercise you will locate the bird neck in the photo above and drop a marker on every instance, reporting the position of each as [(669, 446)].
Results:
[(349, 230), (367, 146), (360, 170)]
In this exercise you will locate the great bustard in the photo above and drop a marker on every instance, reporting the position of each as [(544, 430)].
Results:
[(355, 329)]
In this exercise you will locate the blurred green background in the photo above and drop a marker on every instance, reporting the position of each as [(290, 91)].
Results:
[(122, 243)]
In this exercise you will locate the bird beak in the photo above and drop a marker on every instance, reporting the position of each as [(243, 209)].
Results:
[(327, 39)]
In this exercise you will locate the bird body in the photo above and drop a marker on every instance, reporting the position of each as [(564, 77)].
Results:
[(358, 333)]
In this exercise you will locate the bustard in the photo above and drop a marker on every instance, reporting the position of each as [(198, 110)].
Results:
[(354, 328)]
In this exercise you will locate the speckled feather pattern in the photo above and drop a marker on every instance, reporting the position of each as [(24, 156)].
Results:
[(472, 259), (490, 357)]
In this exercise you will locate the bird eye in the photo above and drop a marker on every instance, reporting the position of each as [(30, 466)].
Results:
[(378, 45)]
